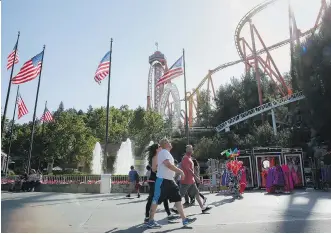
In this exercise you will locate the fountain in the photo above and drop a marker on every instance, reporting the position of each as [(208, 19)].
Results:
[(146, 158), (96, 167), (146, 155), (124, 158)]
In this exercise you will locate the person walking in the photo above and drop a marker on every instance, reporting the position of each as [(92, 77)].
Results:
[(188, 183), (153, 150), (197, 174), (165, 185), (134, 182), (177, 179)]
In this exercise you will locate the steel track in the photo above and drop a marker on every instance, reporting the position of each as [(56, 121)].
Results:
[(239, 27), (245, 20), (259, 110)]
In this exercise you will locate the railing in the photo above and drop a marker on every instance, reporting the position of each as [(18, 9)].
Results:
[(74, 179), (70, 179), (85, 179)]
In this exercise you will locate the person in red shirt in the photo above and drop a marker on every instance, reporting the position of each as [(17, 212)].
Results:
[(188, 183)]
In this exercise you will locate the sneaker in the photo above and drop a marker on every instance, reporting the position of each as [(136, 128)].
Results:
[(204, 210), (204, 201), (174, 210), (146, 220), (128, 195), (153, 224), (138, 195), (188, 221)]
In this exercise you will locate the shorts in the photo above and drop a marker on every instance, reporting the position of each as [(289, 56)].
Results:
[(134, 186), (166, 190), (190, 189)]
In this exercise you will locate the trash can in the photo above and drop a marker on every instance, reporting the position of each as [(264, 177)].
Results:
[(105, 185)]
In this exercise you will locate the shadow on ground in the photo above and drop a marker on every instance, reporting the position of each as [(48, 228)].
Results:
[(13, 202), (8, 208), (301, 211)]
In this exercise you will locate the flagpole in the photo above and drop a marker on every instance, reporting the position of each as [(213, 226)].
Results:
[(11, 131), (186, 118), (108, 94), (9, 87), (42, 132), (34, 113)]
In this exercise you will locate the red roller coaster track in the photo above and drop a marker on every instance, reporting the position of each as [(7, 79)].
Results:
[(252, 57)]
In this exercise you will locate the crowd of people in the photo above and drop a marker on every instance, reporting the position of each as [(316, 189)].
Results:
[(170, 182)]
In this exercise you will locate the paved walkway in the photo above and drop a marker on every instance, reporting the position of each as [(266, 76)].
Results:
[(257, 212)]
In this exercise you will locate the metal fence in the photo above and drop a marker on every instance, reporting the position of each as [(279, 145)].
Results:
[(82, 179)]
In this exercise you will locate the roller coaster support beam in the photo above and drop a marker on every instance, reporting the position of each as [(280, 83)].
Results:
[(320, 13), (291, 39), (247, 67), (281, 80), (257, 73), (190, 113), (274, 121)]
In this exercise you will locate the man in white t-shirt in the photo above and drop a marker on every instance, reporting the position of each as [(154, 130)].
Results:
[(165, 185)]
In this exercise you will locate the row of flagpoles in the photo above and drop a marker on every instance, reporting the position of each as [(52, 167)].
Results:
[(29, 71), (33, 67)]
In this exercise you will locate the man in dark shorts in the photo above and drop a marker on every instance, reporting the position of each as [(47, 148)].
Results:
[(188, 183), (165, 185)]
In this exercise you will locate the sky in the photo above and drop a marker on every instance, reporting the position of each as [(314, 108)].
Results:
[(77, 35)]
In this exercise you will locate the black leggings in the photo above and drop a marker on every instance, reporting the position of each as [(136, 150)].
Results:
[(150, 198)]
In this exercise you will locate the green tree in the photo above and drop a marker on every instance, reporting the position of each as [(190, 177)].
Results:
[(313, 65), (204, 112), (207, 148), (145, 126)]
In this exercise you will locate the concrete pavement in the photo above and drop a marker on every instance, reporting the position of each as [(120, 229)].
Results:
[(257, 212)]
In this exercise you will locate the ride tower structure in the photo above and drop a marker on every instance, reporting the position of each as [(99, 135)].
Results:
[(158, 65), (163, 98)]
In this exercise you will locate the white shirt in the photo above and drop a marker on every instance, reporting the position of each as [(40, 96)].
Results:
[(162, 170)]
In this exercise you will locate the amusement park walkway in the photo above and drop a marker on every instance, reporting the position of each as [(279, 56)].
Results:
[(54, 212)]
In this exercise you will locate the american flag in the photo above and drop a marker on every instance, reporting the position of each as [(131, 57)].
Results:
[(175, 71), (11, 56), (103, 68), (47, 116), (29, 70), (22, 110)]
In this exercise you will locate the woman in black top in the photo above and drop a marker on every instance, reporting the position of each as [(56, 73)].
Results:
[(152, 159)]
